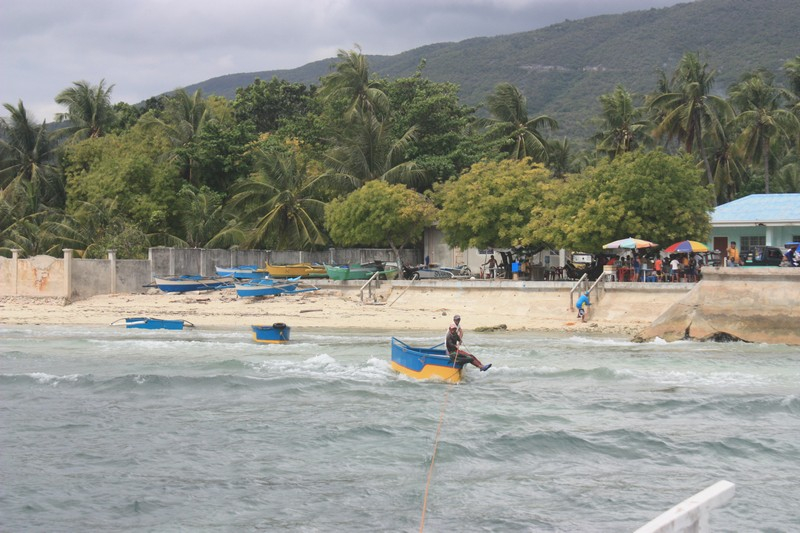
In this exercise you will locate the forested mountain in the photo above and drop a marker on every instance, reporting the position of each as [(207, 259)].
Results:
[(562, 69)]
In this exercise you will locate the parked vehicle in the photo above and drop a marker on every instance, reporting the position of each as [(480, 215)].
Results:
[(762, 256)]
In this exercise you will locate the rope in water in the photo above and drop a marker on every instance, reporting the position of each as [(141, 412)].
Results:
[(436, 446)]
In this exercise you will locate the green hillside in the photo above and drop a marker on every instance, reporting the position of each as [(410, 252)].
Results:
[(564, 68)]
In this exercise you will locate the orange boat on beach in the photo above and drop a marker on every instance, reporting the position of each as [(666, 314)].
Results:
[(304, 270)]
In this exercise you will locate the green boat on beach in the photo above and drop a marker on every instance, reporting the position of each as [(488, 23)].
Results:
[(359, 271)]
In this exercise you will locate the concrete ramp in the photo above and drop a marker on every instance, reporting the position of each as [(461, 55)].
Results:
[(748, 304)]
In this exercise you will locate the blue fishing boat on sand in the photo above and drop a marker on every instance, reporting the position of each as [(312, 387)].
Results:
[(270, 287), (152, 323), (425, 363), (193, 283), (277, 333)]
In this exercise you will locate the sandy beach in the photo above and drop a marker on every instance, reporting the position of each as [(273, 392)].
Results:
[(397, 309)]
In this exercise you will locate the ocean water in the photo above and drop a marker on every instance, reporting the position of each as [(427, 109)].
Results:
[(108, 429)]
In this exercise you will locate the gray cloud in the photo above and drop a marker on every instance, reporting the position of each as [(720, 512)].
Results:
[(148, 47)]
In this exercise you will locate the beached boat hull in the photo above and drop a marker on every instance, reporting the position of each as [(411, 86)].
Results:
[(193, 283), (304, 270), (152, 323), (242, 272), (264, 288), (277, 333), (425, 363), (343, 273)]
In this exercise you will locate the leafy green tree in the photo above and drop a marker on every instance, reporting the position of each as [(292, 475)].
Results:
[(280, 206), (220, 154), (29, 175), (762, 118), (650, 195), (89, 109), (268, 105), (446, 143), (377, 214), (510, 125), (91, 230), (623, 125), (129, 170), (490, 205), (689, 109)]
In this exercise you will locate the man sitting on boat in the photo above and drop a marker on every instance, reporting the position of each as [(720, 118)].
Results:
[(452, 342)]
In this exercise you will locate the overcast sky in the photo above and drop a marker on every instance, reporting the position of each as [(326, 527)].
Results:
[(147, 47)]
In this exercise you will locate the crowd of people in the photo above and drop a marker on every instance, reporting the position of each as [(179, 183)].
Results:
[(674, 267)]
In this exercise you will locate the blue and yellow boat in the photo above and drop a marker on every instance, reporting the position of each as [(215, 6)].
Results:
[(425, 363), (277, 333)]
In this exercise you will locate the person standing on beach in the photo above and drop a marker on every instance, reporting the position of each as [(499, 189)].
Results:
[(733, 255), (453, 343), (582, 303)]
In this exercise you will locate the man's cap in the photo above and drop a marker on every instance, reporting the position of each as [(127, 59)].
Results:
[(453, 327), (457, 318), (586, 293)]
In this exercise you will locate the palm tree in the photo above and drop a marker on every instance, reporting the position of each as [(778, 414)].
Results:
[(184, 117), (688, 110), (510, 123), (792, 70), (202, 214), (280, 205), (762, 118), (623, 128), (368, 151), (352, 83), (28, 171), (89, 109)]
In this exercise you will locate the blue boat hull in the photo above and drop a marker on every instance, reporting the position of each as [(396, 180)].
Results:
[(153, 323), (193, 283), (277, 333), (424, 363), (264, 288)]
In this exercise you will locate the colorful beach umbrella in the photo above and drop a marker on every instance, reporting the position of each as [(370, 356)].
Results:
[(686, 247), (630, 244)]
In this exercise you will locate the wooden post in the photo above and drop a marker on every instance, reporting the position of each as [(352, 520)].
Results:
[(112, 256), (15, 271), (67, 272)]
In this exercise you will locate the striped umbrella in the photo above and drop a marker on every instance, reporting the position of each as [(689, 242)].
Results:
[(630, 243), (686, 247)]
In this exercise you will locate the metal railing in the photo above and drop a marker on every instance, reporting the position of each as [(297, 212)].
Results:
[(370, 286)]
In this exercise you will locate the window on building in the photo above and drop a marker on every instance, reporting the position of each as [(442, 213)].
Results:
[(749, 242), (796, 238)]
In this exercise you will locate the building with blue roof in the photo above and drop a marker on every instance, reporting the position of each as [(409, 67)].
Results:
[(756, 220)]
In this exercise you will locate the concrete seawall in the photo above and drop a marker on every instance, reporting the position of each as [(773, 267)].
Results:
[(749, 304)]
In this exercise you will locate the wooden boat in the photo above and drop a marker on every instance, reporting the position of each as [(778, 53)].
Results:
[(425, 363), (305, 270), (152, 323), (193, 283), (358, 271), (277, 333), (242, 272)]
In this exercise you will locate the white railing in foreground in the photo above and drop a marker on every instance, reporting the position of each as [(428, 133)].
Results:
[(691, 515)]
